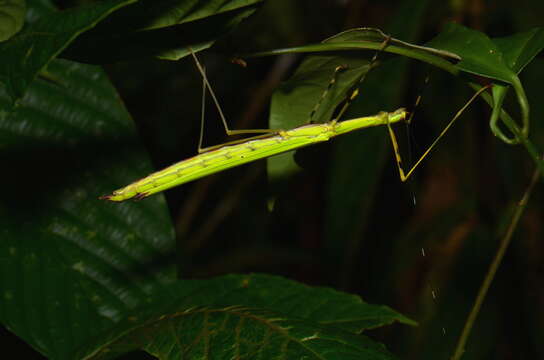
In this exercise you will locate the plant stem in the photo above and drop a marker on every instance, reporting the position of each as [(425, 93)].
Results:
[(516, 131), (522, 204)]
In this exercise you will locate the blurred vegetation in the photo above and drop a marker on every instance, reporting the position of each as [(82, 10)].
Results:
[(464, 191), (369, 242)]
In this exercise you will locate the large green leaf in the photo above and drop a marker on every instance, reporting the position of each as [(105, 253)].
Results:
[(243, 333), (76, 269), (481, 56), (372, 39), (73, 265), (248, 316), (27, 53), (293, 102), (12, 17), (521, 48), (161, 28), (323, 305), (518, 51), (147, 28), (39, 8)]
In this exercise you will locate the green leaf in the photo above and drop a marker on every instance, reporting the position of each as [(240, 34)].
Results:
[(518, 50), (73, 265), (12, 17), (481, 56), (521, 48), (39, 8), (316, 89), (26, 54), (164, 29), (246, 315), (372, 39), (83, 276), (294, 100), (243, 333), (320, 304)]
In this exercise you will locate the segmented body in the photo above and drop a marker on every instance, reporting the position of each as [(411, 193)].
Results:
[(229, 156)]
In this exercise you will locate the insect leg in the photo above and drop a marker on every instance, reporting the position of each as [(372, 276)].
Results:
[(404, 176)]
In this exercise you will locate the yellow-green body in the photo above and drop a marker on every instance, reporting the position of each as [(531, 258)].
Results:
[(229, 156)]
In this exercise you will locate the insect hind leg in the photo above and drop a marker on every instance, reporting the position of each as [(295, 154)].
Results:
[(353, 92), (337, 71)]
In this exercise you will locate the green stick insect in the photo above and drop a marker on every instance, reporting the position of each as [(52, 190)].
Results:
[(272, 142)]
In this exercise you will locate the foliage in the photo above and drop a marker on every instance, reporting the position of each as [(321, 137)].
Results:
[(82, 278)]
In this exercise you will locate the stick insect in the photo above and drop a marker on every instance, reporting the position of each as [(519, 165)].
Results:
[(271, 142)]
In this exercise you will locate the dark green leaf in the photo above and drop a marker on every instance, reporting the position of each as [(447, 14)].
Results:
[(39, 8), (372, 39), (244, 333), (480, 55), (521, 48), (72, 264), (26, 54), (294, 100), (316, 88), (163, 29), (395, 46), (12, 17), (241, 315), (323, 305), (518, 50)]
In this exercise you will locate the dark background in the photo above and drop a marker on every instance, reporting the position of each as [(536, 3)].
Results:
[(464, 192)]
